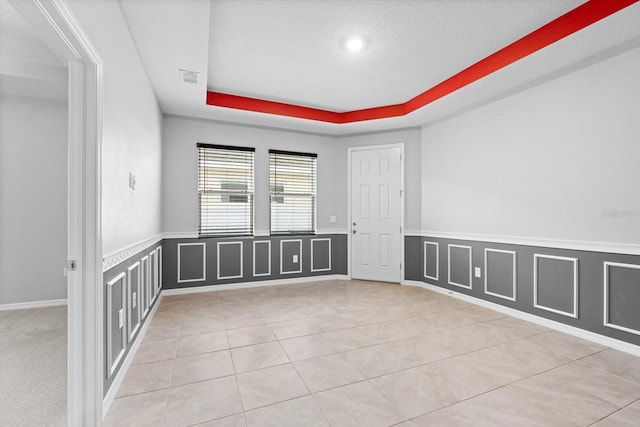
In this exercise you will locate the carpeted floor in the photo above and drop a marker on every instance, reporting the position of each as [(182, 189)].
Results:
[(33, 367)]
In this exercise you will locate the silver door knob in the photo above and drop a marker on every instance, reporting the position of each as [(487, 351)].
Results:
[(353, 231)]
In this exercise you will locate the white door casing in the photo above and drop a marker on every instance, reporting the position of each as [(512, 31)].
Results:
[(376, 207)]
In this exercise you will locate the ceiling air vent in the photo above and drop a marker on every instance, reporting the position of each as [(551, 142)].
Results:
[(190, 77)]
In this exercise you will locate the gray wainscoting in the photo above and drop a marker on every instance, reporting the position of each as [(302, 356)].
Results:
[(594, 291), (131, 289), (215, 261)]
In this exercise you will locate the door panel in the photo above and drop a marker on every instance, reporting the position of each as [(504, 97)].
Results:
[(376, 213)]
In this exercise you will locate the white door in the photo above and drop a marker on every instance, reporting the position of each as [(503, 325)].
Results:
[(376, 213)]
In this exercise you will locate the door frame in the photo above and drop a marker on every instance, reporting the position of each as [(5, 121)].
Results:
[(351, 150), (55, 24)]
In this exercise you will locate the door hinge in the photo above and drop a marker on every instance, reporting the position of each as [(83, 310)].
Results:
[(400, 193), (72, 265)]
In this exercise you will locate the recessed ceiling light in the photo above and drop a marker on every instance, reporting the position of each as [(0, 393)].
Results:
[(355, 43)]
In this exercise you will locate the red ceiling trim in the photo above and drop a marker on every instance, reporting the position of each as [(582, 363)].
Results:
[(582, 16)]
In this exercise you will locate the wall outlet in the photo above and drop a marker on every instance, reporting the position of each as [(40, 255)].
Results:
[(135, 299), (121, 318), (132, 181), (333, 219), (295, 259), (478, 272)]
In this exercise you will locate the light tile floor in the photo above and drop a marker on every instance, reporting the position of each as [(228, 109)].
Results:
[(353, 353)]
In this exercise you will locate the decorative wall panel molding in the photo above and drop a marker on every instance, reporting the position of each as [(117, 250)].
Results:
[(260, 258), (289, 249), (431, 260), (144, 270), (463, 267), (190, 259), (117, 257), (133, 299), (320, 258), (116, 321), (231, 255), (621, 307), (500, 281), (555, 284)]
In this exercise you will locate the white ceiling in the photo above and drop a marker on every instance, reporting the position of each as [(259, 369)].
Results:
[(28, 67), (290, 51)]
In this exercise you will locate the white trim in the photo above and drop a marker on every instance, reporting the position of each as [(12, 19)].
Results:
[(574, 314), (112, 362), (607, 323), (254, 258), (261, 233), (254, 284), (218, 244), (558, 326), (331, 231), (350, 150), (449, 246), (424, 261), (130, 269), (204, 262), (416, 233), (486, 274), (299, 256), (577, 245), (159, 251), (152, 277), (313, 270), (146, 300), (122, 372), (33, 304), (116, 257), (180, 235)]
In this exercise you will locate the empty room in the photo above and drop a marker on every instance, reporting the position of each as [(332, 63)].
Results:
[(320, 213)]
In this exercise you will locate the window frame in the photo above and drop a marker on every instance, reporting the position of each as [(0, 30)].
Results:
[(314, 219), (250, 194)]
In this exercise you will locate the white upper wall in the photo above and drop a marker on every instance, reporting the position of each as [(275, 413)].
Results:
[(180, 168), (411, 140), (132, 130), (558, 161), (33, 199)]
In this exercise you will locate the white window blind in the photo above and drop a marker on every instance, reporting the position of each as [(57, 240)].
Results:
[(292, 183), (225, 190)]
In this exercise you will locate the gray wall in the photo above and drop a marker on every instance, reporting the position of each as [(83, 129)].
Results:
[(180, 169), (558, 161), (33, 199), (133, 287), (214, 261), (554, 281)]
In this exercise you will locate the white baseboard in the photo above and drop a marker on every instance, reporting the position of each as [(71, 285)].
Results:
[(552, 324), (256, 284), (117, 381), (33, 304)]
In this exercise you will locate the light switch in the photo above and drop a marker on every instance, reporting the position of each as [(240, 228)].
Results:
[(121, 318), (333, 219), (132, 181), (478, 272), (135, 299), (295, 259)]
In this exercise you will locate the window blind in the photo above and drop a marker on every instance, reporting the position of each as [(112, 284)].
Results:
[(292, 184), (225, 190)]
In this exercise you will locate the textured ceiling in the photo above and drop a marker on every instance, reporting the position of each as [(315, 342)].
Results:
[(290, 51)]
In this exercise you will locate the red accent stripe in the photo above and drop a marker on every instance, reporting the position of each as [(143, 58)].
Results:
[(582, 16)]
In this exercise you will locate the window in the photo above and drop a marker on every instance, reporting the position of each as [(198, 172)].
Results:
[(292, 183), (225, 190)]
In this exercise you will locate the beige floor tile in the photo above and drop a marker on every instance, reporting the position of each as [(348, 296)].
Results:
[(258, 356), (302, 411), (270, 385), (204, 401), (249, 336), (616, 362), (159, 332), (146, 377), (327, 372), (357, 404), (201, 367), (333, 322), (566, 345), (232, 421), (197, 323), (153, 351), (140, 410), (479, 314), (625, 417), (310, 346), (513, 329), (292, 329), (202, 343)]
